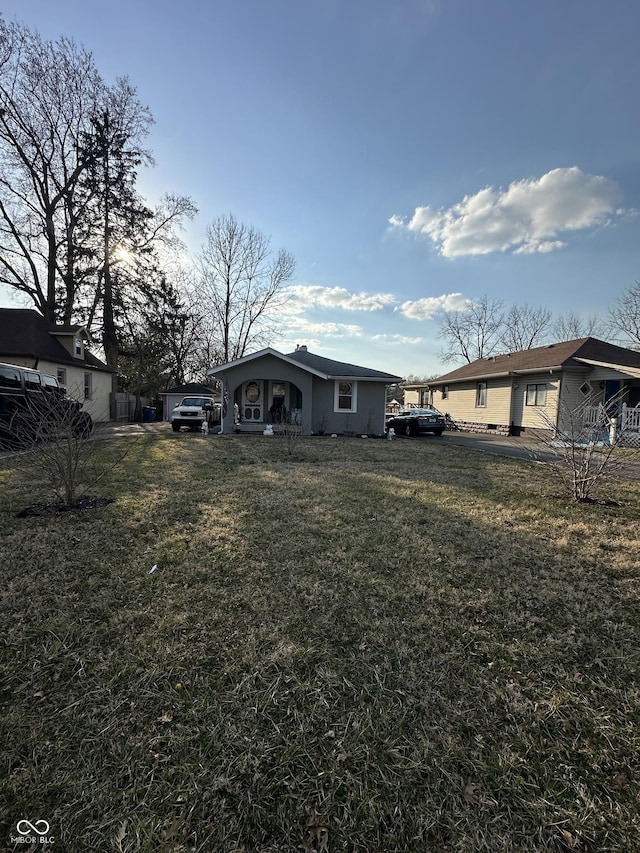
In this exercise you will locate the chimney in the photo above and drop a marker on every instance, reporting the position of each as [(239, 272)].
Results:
[(301, 347)]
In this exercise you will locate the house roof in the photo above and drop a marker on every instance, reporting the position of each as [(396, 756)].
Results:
[(566, 355), (195, 388), (325, 368), (25, 333)]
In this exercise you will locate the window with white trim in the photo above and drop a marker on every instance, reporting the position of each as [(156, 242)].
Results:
[(62, 376), (87, 386), (536, 395), (445, 392), (481, 394), (345, 396)]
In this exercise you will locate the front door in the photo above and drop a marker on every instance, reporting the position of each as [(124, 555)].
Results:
[(252, 400)]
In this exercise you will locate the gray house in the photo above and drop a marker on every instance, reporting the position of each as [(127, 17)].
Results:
[(318, 394)]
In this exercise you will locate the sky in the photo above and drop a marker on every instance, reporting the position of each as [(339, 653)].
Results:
[(411, 154)]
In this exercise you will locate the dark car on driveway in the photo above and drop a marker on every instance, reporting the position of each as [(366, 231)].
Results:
[(415, 421)]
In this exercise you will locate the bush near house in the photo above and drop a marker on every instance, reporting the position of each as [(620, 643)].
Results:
[(383, 645)]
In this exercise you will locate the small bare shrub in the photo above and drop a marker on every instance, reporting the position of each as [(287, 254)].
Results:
[(584, 448), (56, 445)]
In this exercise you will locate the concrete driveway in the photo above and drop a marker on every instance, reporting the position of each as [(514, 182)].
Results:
[(517, 448)]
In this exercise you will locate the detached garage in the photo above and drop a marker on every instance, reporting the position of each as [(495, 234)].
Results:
[(172, 397)]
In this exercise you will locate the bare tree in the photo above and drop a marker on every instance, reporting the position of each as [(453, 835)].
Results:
[(47, 92), (570, 326), (58, 447), (240, 283), (525, 327), (70, 149), (474, 332), (181, 325), (583, 448), (624, 318)]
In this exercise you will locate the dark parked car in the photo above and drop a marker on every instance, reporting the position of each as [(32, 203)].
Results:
[(34, 407), (415, 421)]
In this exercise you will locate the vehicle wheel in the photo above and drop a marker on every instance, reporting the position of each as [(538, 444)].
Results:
[(175, 427), (8, 439), (437, 432), (82, 425), (23, 432), (408, 430)]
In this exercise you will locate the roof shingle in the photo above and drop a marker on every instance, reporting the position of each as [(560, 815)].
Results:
[(25, 333), (564, 355)]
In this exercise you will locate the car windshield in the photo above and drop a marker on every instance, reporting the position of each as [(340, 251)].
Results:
[(420, 412), (50, 382), (196, 401)]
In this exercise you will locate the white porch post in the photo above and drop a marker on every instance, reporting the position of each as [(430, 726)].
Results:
[(224, 402)]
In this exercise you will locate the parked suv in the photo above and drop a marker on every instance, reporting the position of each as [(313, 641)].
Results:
[(34, 406), (193, 410)]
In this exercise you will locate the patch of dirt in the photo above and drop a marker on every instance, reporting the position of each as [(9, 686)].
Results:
[(595, 501), (55, 508)]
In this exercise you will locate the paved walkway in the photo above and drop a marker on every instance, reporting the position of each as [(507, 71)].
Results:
[(132, 429)]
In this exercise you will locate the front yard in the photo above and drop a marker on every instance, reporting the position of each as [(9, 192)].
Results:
[(412, 646)]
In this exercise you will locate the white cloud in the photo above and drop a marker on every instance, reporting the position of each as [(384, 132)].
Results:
[(396, 340), (427, 307), (303, 329), (527, 217), (302, 297)]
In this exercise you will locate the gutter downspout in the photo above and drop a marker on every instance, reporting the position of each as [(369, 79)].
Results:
[(511, 424), (560, 378)]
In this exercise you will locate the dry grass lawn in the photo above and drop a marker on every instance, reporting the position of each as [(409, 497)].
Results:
[(416, 644)]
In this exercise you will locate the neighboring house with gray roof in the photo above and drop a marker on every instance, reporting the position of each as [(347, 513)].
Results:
[(319, 394), (530, 389), (28, 340)]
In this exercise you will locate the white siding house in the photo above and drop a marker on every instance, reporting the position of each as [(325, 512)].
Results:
[(28, 340), (530, 389)]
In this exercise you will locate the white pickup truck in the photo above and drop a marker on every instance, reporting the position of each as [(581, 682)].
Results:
[(192, 411)]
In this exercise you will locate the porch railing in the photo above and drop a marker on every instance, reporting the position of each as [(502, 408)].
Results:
[(625, 427), (630, 418)]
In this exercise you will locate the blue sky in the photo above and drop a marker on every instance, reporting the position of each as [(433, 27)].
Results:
[(411, 154)]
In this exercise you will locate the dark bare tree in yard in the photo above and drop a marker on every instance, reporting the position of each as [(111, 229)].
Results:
[(181, 327), (70, 212), (47, 92), (473, 332), (624, 318), (241, 282), (159, 340), (525, 327)]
